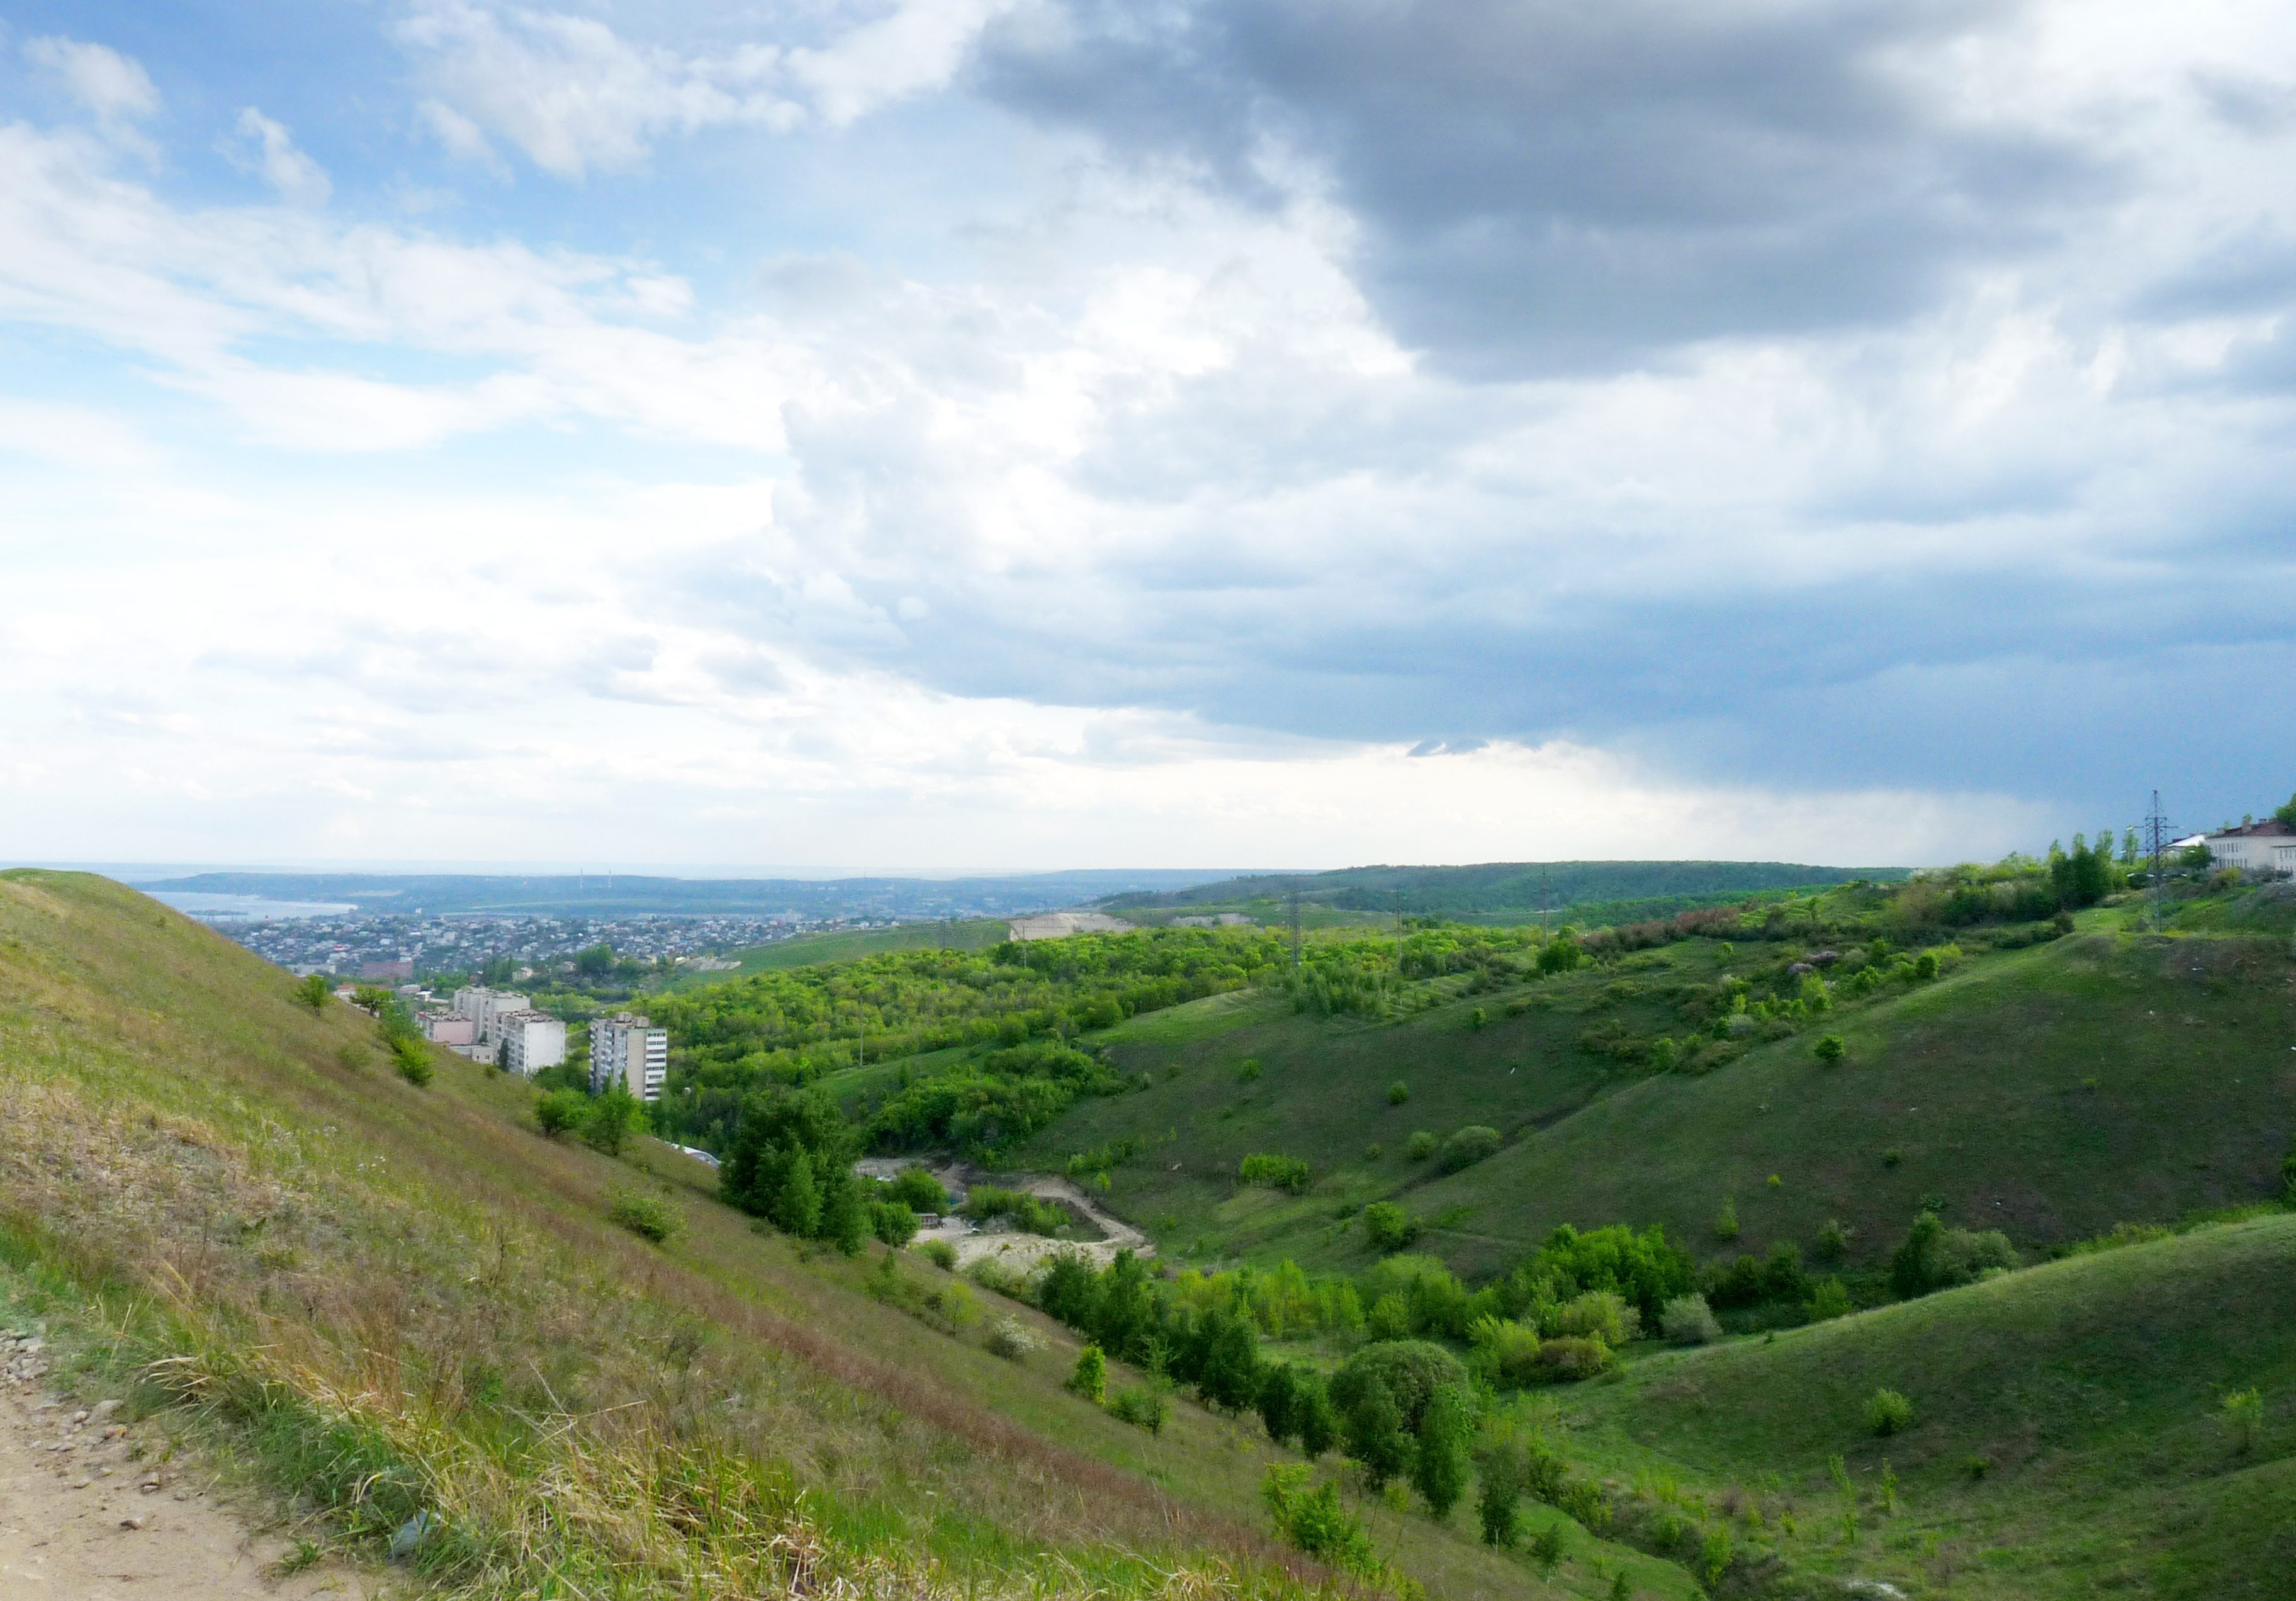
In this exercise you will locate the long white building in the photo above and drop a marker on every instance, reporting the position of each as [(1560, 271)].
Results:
[(631, 1049), (529, 1041)]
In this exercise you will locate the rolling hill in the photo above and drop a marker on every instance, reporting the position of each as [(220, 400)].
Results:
[(386, 1301)]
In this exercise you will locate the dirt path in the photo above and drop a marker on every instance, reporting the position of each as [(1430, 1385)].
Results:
[(77, 1522)]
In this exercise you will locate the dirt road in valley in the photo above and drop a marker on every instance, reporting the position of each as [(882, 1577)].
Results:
[(84, 1518), (1015, 1249)]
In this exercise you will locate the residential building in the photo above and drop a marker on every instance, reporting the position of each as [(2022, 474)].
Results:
[(530, 1041), (632, 1050), (482, 1006), (380, 972), (444, 1028), (2265, 847)]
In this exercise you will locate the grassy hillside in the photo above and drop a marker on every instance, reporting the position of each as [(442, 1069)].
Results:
[(1505, 891), (804, 950), (387, 1300), (2051, 1092), (2069, 1435)]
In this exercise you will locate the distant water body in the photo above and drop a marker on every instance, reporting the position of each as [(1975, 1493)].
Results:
[(233, 908)]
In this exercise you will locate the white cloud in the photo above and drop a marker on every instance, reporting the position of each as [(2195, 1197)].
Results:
[(112, 85), (575, 96), (267, 147)]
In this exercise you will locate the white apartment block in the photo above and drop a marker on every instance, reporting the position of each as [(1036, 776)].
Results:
[(2265, 847), (630, 1049), (483, 1006), (530, 1041)]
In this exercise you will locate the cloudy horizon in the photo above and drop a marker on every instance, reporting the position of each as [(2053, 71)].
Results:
[(997, 435)]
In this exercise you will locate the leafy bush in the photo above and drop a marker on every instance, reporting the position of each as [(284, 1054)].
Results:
[(1013, 1340), (1887, 1413), (1420, 1145), (1439, 1465), (1387, 1227), (1274, 1172), (1646, 1268), (1829, 1300), (1505, 1352), (412, 1058), (1829, 1048), (1688, 1320), (1468, 1147), (649, 1217), (940, 1254), (986, 1201), (1545, 1549), (1397, 1092), (562, 1110), (2243, 1417), (953, 1305), (1935, 1257), (1726, 1221), (1314, 1520), (613, 1116), (1389, 1318), (1141, 1407), (918, 1190), (1090, 1377), (1833, 1241), (892, 1222), (1571, 1359), (313, 991), (1600, 1315)]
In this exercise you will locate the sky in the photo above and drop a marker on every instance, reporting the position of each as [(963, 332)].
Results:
[(985, 435)]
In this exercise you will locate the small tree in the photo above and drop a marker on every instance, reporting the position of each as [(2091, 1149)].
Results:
[(1829, 1049), (844, 1217), (798, 1208), (1546, 1548), (1830, 1299), (1726, 1221), (562, 1110), (1438, 1467), (1315, 1419), (614, 1116), (2243, 1417), (1375, 1433), (1688, 1320), (1420, 1145), (1397, 1092), (313, 991), (892, 1222), (1387, 1227), (1090, 1378), (1278, 1403)]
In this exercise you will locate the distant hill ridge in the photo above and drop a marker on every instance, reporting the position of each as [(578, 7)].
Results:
[(1491, 889)]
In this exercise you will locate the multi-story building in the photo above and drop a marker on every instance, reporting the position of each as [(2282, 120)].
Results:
[(447, 1028), (482, 1006), (632, 1050), (529, 1041), (2265, 847)]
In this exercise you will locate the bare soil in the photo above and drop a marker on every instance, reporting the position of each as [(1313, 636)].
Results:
[(90, 1511)]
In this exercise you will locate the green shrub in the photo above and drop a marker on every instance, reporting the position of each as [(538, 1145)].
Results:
[(1274, 1172), (1544, 1548), (1468, 1147), (1389, 1318), (1439, 1465), (1829, 1048), (412, 1058), (1599, 1315), (649, 1217), (1887, 1413), (562, 1110), (1688, 1320), (1830, 1299), (1833, 1241), (1249, 1072), (940, 1254), (1420, 1145), (918, 1190), (1570, 1358), (1726, 1221), (1141, 1407), (2243, 1417), (1013, 1340), (892, 1222), (1314, 1520), (1935, 1257), (1397, 1092), (612, 1118), (1090, 1377), (1387, 1227), (984, 1200)]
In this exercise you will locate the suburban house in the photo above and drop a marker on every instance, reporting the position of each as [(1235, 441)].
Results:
[(2265, 847)]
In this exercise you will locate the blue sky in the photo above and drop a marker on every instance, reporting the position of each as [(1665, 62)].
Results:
[(1027, 433)]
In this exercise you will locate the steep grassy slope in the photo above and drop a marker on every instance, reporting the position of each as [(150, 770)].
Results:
[(2051, 1092), (395, 1299), (2069, 1437)]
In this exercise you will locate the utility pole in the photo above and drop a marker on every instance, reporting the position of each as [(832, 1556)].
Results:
[(2156, 843)]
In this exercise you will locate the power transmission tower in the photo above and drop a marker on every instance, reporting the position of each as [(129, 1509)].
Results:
[(2157, 834), (1295, 928)]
